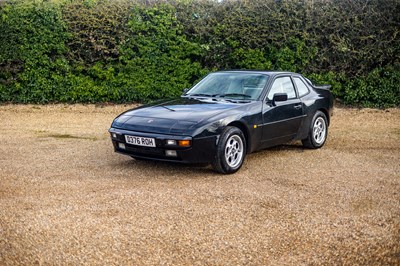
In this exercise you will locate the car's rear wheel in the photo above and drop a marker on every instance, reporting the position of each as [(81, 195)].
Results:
[(231, 151), (317, 132)]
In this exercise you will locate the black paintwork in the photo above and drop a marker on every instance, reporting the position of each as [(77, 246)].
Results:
[(202, 119)]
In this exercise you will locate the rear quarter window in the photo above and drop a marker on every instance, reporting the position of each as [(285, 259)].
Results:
[(301, 87)]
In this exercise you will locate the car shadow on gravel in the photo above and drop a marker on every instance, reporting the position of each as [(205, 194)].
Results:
[(161, 168)]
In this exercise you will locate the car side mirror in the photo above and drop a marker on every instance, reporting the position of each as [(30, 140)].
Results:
[(279, 97)]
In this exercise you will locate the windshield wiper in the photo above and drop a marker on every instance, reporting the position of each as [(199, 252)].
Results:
[(167, 108), (232, 95), (199, 94)]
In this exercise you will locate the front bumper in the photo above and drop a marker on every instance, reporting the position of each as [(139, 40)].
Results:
[(202, 150)]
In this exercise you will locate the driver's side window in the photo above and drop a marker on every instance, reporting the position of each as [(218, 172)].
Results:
[(282, 85)]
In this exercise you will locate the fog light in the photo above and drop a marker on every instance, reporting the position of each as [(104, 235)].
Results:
[(171, 142), (171, 153), (184, 143), (114, 135), (121, 146)]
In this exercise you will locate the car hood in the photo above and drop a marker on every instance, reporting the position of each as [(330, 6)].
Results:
[(177, 116)]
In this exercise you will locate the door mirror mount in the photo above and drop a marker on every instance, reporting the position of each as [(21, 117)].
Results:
[(184, 91)]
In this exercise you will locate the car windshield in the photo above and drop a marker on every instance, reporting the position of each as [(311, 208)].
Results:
[(230, 85)]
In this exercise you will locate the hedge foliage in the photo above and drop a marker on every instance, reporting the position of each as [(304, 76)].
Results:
[(133, 50)]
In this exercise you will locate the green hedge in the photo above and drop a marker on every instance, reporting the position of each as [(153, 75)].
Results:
[(126, 50)]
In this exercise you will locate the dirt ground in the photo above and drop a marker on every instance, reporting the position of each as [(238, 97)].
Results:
[(67, 198)]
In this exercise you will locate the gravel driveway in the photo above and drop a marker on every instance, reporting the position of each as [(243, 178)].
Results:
[(67, 198)]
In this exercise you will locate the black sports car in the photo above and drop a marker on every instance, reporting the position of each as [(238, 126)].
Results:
[(225, 116)]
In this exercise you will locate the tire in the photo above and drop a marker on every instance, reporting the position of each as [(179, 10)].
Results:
[(231, 151), (317, 132)]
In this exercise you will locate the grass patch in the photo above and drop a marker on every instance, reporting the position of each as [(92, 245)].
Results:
[(68, 136), (40, 131), (396, 131)]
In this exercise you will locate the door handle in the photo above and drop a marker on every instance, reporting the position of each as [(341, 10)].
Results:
[(297, 106)]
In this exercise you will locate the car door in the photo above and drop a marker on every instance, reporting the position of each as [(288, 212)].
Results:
[(281, 120)]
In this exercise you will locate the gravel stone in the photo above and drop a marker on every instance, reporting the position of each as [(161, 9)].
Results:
[(67, 198)]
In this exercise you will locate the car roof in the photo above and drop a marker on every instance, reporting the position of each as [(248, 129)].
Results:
[(267, 72)]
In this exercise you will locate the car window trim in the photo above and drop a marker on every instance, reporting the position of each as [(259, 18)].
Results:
[(272, 82)]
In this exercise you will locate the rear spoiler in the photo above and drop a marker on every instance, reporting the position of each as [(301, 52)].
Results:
[(323, 87)]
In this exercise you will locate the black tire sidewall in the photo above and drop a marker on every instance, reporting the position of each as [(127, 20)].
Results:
[(229, 132), (316, 116)]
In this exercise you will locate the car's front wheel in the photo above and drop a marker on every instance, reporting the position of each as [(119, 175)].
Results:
[(231, 151), (318, 132)]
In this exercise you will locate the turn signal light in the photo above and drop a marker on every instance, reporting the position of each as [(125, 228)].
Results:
[(184, 143)]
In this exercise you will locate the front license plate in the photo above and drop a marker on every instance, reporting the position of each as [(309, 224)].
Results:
[(140, 141)]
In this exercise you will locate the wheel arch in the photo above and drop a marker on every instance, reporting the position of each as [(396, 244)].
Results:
[(326, 113), (245, 131)]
